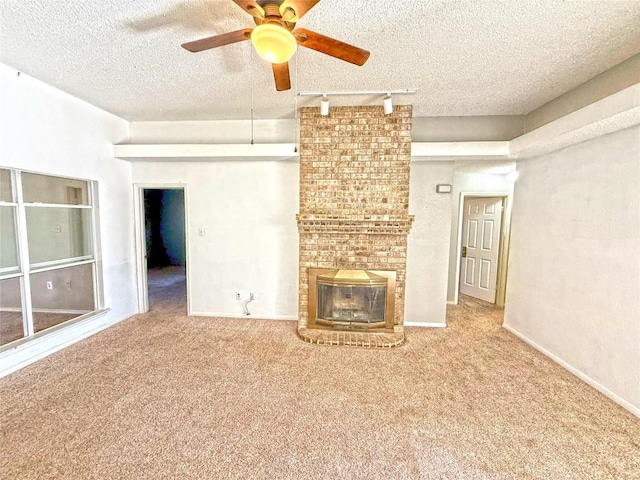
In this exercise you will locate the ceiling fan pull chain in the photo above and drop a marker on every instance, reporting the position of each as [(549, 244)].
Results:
[(252, 78), (295, 111)]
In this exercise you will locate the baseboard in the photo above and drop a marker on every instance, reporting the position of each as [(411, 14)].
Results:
[(582, 376), (451, 302), (425, 324), (252, 316), (50, 341)]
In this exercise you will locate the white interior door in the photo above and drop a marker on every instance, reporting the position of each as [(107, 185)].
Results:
[(481, 221)]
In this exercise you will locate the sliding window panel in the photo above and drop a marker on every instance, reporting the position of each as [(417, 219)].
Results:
[(8, 242), (46, 189), (6, 192), (11, 322), (61, 294), (58, 235)]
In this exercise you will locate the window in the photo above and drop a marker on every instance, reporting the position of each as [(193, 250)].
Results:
[(48, 272)]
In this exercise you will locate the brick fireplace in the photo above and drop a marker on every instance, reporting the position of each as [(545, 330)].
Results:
[(354, 203)]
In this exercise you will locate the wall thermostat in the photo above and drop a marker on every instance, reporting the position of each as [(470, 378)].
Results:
[(443, 188)]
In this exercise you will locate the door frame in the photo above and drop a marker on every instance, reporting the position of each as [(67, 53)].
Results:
[(503, 251), (141, 241)]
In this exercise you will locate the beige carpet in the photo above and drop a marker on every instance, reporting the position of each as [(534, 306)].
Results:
[(162, 395)]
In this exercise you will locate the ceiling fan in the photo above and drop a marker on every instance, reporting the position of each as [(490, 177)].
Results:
[(275, 37)]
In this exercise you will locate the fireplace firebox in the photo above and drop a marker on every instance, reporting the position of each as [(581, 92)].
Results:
[(343, 299)]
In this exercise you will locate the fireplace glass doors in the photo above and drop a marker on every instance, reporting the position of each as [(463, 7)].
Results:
[(351, 299)]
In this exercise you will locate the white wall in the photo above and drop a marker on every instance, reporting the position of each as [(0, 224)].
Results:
[(466, 129), (248, 210), (608, 82), (573, 288), (428, 245), (215, 132), (424, 129), (45, 130), (469, 183)]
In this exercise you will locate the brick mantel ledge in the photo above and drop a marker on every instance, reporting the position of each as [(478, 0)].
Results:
[(370, 224)]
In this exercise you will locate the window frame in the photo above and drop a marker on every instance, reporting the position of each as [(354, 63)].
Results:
[(25, 269)]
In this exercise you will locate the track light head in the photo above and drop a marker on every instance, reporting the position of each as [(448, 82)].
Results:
[(387, 104), (324, 106)]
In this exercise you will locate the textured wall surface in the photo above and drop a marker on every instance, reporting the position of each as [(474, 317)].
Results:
[(428, 244), (574, 276), (354, 194), (246, 210)]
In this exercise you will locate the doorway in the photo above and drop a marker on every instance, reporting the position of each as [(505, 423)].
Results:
[(161, 247), (484, 221)]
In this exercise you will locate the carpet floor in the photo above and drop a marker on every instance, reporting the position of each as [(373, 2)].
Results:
[(163, 395)]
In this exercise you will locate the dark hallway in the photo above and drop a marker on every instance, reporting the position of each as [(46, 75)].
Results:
[(165, 248)]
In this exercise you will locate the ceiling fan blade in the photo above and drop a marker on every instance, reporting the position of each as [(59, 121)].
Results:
[(293, 10), (281, 75), (331, 46), (218, 40), (252, 7)]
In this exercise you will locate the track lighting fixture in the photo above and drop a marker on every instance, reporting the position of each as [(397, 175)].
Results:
[(387, 102)]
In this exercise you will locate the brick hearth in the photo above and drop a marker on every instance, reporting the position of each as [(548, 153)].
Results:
[(354, 202)]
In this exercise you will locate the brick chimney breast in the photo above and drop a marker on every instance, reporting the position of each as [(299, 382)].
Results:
[(354, 201)]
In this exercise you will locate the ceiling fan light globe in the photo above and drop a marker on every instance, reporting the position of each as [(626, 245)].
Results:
[(273, 43)]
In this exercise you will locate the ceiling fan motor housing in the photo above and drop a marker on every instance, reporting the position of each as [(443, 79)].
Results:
[(272, 14)]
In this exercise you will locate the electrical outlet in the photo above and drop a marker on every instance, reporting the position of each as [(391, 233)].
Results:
[(251, 296), (237, 296), (49, 285)]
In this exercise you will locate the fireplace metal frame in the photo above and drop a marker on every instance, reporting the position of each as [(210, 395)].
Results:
[(353, 278)]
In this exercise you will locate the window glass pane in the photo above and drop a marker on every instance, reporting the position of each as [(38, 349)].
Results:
[(6, 194), (58, 234), (45, 189), (70, 295), (8, 246), (11, 326)]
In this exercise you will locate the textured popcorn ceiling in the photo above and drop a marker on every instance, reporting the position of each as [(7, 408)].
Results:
[(465, 57)]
